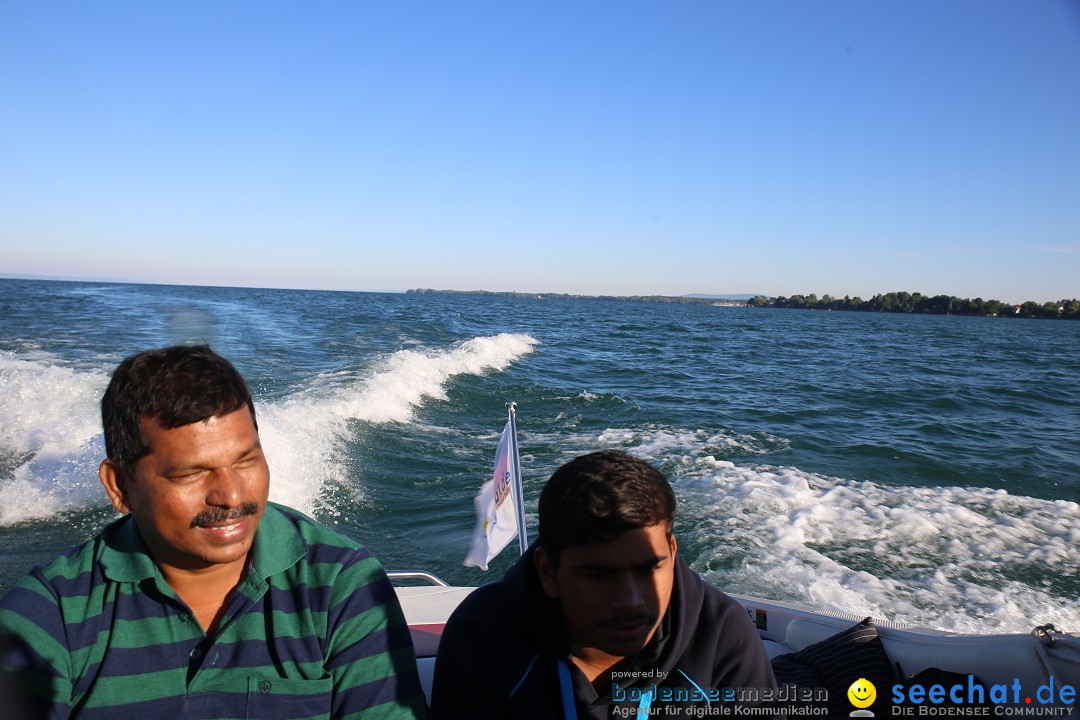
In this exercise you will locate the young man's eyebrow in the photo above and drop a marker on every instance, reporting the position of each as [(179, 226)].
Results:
[(594, 567), (600, 567)]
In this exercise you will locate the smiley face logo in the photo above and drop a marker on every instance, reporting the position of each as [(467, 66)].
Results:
[(862, 693)]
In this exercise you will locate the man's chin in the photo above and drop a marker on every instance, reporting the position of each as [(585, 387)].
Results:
[(624, 644), (223, 553)]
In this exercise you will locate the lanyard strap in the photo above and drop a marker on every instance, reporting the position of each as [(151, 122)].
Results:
[(566, 684), (646, 702)]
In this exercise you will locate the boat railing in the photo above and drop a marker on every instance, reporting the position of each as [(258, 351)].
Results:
[(429, 578)]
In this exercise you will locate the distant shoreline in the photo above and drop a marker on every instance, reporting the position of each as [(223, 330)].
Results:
[(894, 302), (666, 299)]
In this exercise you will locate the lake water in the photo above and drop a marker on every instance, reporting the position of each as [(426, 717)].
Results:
[(917, 468)]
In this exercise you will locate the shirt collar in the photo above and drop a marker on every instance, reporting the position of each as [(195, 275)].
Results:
[(126, 557), (278, 545)]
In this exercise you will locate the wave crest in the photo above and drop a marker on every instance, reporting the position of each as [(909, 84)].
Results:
[(50, 429)]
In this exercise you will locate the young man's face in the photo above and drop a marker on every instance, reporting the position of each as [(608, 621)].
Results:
[(613, 594), (199, 494)]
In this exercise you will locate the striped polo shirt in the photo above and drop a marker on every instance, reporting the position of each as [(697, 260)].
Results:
[(314, 631)]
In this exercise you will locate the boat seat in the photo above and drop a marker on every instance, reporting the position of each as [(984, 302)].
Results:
[(802, 632), (773, 648), (979, 655), (425, 639)]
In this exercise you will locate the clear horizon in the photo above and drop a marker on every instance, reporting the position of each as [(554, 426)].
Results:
[(718, 296), (607, 148)]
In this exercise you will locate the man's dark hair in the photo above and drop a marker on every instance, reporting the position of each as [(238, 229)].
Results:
[(595, 497), (173, 386)]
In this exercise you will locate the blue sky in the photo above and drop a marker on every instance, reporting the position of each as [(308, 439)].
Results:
[(589, 147)]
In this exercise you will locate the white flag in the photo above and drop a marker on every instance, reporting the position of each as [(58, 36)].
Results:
[(496, 509)]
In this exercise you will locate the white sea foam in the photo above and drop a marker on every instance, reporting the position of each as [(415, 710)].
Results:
[(397, 386), (303, 435), (686, 447), (954, 558), (43, 404), (951, 558), (50, 424)]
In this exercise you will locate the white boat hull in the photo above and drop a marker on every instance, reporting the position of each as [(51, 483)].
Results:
[(1002, 659)]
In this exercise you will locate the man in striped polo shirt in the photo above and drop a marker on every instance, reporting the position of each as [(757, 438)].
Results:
[(205, 600)]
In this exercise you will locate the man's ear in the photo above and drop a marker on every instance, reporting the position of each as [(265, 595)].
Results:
[(545, 568), (115, 481), (674, 545)]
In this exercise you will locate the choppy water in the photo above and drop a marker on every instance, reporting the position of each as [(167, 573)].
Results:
[(918, 468)]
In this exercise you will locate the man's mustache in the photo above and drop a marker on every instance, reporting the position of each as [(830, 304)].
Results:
[(217, 515)]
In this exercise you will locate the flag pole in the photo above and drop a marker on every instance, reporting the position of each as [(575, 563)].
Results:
[(519, 495)]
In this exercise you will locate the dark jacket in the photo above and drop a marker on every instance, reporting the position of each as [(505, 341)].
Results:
[(504, 654)]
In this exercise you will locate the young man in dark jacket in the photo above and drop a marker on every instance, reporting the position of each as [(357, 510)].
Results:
[(600, 618)]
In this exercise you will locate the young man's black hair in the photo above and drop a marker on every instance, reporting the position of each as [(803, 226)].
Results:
[(597, 496)]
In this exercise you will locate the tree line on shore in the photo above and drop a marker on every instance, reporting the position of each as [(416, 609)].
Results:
[(667, 299), (904, 302), (894, 302)]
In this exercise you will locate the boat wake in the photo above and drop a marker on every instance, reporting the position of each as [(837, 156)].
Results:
[(954, 558), (50, 427), (962, 559)]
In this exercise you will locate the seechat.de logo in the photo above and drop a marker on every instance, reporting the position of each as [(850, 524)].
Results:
[(973, 698)]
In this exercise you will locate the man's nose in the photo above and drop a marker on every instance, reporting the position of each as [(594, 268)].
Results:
[(629, 592), (225, 488)]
